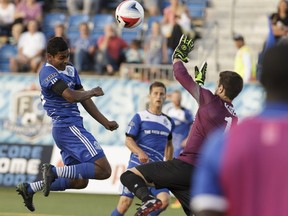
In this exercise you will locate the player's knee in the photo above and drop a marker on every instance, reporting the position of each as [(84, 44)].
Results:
[(79, 183), (165, 199), (126, 176)]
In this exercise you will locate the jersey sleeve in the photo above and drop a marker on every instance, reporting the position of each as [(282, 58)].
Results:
[(206, 189), (134, 126), (48, 77)]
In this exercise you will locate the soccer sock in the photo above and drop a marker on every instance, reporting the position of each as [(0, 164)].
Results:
[(35, 187), (136, 185), (79, 171), (60, 184), (155, 213), (116, 213)]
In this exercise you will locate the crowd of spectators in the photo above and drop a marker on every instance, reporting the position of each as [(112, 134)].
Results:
[(102, 54)]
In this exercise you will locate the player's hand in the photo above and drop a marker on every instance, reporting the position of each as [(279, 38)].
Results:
[(112, 125), (200, 75), (183, 48), (143, 157), (97, 91)]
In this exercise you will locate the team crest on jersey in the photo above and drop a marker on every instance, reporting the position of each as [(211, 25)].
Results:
[(165, 122), (27, 118)]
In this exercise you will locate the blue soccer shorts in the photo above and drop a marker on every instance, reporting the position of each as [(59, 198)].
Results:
[(77, 145)]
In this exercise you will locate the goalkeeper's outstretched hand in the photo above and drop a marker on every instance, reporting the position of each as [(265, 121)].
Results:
[(200, 75), (183, 48)]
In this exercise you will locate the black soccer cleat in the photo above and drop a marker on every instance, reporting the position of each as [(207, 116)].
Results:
[(148, 206), (48, 178), (27, 197)]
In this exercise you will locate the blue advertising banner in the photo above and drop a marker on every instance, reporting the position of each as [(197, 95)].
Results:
[(22, 163), (23, 120)]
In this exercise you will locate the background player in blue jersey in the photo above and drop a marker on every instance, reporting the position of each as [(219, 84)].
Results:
[(244, 172), (215, 110), (183, 119), (81, 153), (149, 138)]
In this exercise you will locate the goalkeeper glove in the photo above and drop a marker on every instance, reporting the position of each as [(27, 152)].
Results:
[(183, 48), (200, 75)]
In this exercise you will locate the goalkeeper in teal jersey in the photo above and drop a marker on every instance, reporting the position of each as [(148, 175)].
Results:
[(81, 153)]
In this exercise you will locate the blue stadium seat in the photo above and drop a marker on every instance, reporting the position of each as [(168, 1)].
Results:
[(50, 20), (100, 20), (75, 20), (6, 52), (152, 19), (197, 10), (130, 34)]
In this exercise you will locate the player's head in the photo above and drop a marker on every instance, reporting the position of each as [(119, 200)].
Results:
[(58, 52), (157, 94), (176, 98), (230, 84), (274, 76)]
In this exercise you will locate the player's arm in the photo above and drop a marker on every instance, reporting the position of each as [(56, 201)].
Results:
[(80, 95), (134, 148), (92, 109), (77, 95), (179, 56), (169, 149)]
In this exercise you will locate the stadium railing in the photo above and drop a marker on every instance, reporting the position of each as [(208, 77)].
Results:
[(146, 72)]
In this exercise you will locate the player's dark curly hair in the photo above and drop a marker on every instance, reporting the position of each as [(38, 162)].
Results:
[(55, 45), (274, 76), (232, 83), (157, 84)]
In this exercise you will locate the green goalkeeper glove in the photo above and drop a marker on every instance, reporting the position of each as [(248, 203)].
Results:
[(183, 48), (200, 76)]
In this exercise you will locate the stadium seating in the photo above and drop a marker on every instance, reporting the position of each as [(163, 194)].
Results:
[(197, 11), (73, 25), (128, 35), (100, 20), (6, 52), (152, 19), (50, 20)]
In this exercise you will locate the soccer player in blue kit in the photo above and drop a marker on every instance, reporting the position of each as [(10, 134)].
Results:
[(149, 138), (244, 172), (81, 153), (215, 110)]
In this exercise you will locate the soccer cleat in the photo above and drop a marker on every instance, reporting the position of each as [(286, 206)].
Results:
[(48, 178), (148, 206), (27, 197)]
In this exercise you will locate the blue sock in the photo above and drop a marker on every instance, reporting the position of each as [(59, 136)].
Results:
[(79, 171), (60, 184), (34, 187), (116, 213)]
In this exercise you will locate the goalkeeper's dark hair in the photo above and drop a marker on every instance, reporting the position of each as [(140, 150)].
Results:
[(55, 45), (232, 83), (274, 76), (157, 84)]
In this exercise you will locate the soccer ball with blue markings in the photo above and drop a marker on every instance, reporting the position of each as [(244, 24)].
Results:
[(129, 14)]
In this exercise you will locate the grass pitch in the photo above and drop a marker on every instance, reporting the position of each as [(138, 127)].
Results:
[(64, 204)]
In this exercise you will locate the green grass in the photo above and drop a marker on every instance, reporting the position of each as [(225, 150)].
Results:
[(64, 204)]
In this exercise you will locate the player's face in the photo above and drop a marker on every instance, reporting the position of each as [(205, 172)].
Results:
[(60, 60), (157, 96)]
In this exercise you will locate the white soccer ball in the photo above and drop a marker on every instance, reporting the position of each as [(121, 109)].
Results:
[(129, 14)]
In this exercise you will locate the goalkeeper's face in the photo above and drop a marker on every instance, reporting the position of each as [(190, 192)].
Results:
[(60, 60)]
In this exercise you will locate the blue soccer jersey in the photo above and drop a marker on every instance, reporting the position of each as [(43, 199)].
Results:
[(151, 133), (183, 119), (61, 111)]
